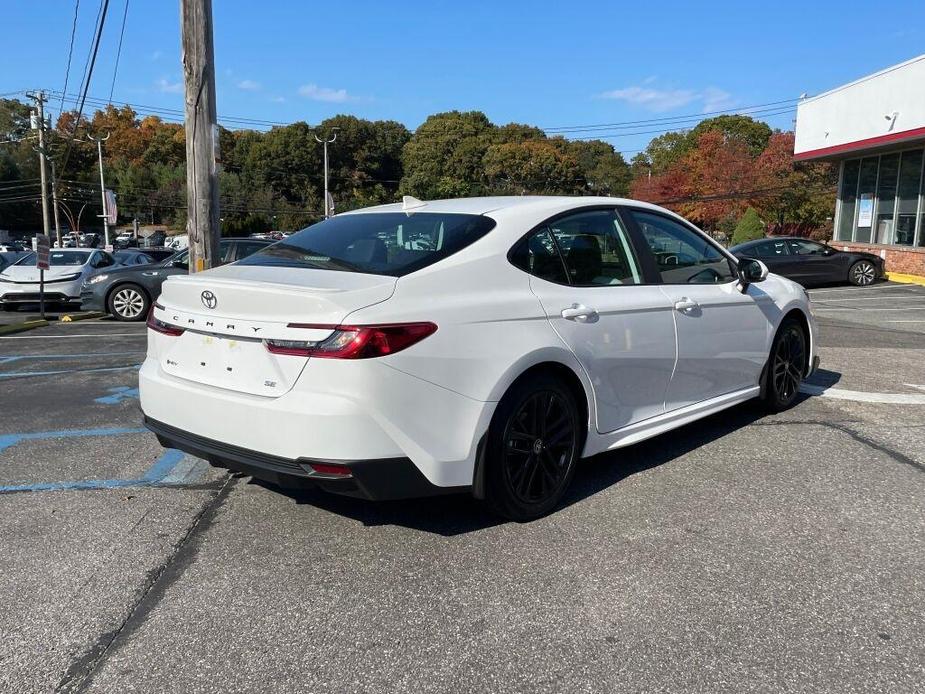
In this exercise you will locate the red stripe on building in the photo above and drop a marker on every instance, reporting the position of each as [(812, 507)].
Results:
[(861, 144)]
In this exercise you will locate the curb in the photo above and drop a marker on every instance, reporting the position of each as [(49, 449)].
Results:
[(71, 317), (21, 327), (903, 278)]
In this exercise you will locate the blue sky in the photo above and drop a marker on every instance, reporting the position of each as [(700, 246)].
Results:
[(544, 63)]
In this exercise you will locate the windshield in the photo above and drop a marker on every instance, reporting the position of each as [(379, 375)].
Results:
[(378, 243), (58, 259)]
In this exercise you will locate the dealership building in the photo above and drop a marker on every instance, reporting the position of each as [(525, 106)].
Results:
[(874, 128)]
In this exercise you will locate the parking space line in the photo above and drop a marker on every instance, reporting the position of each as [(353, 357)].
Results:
[(860, 298), (26, 374), (866, 310), (863, 396), (161, 473), (7, 440), (17, 357), (882, 287), (68, 337)]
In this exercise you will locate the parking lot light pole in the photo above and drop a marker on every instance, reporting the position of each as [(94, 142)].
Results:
[(326, 142), (99, 150)]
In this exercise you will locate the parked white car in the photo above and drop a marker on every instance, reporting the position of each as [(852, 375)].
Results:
[(478, 344), (68, 268)]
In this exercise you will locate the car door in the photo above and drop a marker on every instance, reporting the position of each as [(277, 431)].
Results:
[(592, 289), (773, 253), (722, 333), (810, 261)]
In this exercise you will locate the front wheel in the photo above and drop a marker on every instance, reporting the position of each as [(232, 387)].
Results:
[(786, 366), (128, 302), (862, 273), (534, 443)]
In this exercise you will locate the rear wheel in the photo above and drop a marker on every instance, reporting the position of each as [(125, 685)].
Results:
[(862, 273), (535, 441), (786, 366), (128, 302)]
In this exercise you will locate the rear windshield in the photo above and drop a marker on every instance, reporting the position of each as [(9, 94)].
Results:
[(378, 243), (56, 258)]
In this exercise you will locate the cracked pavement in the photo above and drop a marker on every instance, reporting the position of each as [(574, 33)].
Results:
[(743, 553)]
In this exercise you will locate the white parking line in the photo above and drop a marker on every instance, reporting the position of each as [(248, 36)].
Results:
[(868, 310), (859, 298), (861, 396), (66, 337), (881, 287)]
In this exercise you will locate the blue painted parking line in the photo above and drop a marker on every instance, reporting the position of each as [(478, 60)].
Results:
[(7, 440), (117, 395)]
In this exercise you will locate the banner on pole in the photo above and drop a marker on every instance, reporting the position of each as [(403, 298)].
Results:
[(112, 210)]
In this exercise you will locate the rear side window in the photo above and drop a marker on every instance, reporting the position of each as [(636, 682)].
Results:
[(768, 249), (378, 243), (537, 254)]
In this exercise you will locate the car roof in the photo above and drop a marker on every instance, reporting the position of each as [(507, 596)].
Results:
[(520, 203)]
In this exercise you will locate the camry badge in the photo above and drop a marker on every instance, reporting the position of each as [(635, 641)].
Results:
[(208, 299)]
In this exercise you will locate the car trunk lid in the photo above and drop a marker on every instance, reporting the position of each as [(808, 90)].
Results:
[(229, 312)]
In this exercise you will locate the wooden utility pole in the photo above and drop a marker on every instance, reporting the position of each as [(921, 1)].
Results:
[(40, 106), (202, 223)]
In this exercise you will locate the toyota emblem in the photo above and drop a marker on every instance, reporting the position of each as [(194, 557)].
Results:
[(208, 299)]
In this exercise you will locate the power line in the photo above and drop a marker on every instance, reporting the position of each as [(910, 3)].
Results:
[(70, 53), (86, 85), (667, 119), (115, 70)]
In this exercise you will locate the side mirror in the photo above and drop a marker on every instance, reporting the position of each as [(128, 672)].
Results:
[(751, 271)]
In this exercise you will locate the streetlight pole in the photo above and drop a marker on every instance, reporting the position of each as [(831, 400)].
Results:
[(326, 142), (99, 150)]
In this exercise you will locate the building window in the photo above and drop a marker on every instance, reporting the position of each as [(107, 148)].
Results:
[(910, 175), (886, 197), (867, 188), (848, 196)]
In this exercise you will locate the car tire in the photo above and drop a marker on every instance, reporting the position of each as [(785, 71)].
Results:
[(128, 302), (534, 442), (862, 273), (787, 364)]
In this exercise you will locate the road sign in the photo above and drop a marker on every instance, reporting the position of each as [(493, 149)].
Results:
[(42, 244)]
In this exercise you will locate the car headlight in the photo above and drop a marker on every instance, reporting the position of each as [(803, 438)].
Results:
[(4, 278), (96, 279), (66, 278)]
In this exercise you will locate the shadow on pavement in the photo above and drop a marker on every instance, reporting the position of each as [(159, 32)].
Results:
[(460, 513)]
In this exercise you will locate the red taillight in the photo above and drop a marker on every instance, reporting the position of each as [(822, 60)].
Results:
[(331, 469), (355, 341), (160, 326)]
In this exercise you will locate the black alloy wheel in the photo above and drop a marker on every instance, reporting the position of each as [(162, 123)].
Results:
[(535, 442), (786, 367), (862, 273)]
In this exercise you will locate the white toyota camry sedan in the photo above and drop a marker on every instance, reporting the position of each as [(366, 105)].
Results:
[(480, 344)]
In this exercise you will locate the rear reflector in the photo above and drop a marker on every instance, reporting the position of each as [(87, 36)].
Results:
[(355, 341), (160, 326), (331, 469)]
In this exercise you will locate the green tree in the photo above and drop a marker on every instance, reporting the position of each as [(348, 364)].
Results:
[(750, 227), (754, 134)]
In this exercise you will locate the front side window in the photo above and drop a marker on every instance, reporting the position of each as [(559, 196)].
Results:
[(681, 254), (379, 243)]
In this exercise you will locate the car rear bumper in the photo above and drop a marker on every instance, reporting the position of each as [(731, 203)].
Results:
[(354, 413), (377, 480)]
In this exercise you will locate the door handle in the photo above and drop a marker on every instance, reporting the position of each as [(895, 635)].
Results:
[(684, 305), (580, 313)]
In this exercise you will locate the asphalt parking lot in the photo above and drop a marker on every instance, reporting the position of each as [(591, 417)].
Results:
[(743, 553)]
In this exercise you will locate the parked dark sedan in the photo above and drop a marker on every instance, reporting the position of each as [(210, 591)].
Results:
[(809, 262), (126, 292)]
